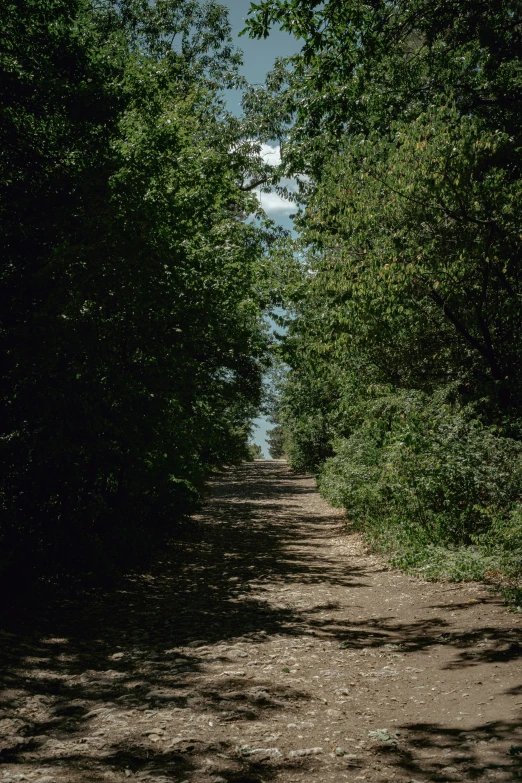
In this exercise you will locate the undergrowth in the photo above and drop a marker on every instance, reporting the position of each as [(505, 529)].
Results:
[(431, 486)]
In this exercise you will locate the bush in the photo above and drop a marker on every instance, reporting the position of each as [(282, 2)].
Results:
[(132, 337), (277, 437), (426, 480), (503, 542), (254, 452)]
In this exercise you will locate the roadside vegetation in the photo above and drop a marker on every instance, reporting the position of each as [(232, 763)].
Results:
[(133, 285), (137, 269), (403, 341)]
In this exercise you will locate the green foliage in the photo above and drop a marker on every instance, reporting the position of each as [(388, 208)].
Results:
[(132, 337), (416, 246), (254, 451), (276, 442), (362, 66), (503, 543), (404, 332), (422, 474)]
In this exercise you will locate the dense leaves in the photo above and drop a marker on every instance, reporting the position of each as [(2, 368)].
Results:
[(418, 238), (404, 337), (363, 66), (133, 345)]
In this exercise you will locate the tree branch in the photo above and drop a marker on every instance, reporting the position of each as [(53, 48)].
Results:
[(253, 185), (461, 329)]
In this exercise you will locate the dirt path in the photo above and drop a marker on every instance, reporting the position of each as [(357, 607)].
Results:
[(265, 646)]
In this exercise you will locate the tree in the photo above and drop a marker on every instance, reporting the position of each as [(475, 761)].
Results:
[(417, 252), (276, 442), (132, 337), (402, 125), (406, 123), (254, 451)]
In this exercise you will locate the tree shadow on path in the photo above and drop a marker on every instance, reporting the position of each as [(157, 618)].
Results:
[(67, 660), (139, 652)]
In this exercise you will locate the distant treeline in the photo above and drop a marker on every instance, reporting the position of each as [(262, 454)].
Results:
[(403, 124), (132, 286)]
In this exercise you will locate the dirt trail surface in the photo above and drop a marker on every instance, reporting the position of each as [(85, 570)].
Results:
[(267, 645)]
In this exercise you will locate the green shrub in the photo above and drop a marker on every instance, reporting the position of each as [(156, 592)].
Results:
[(503, 542), (309, 443), (429, 483), (254, 452)]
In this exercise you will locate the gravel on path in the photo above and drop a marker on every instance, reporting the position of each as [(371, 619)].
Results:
[(266, 644)]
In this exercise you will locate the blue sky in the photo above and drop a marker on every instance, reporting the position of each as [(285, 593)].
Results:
[(258, 59), (259, 55)]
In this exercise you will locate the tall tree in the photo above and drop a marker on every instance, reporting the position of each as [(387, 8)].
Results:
[(406, 122), (132, 337), (402, 122)]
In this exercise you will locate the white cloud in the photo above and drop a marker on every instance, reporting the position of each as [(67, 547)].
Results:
[(274, 204), (271, 155)]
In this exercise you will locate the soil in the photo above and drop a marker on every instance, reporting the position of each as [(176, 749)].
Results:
[(265, 645)]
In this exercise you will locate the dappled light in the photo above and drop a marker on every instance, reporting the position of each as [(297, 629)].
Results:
[(264, 644), (188, 258)]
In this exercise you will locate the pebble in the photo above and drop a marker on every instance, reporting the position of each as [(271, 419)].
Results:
[(384, 735), (272, 752), (334, 713)]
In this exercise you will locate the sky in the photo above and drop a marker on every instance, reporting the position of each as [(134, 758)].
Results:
[(258, 59)]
